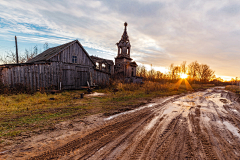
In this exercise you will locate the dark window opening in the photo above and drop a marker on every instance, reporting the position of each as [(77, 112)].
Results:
[(74, 59)]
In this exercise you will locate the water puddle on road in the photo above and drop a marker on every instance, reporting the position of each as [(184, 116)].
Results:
[(235, 131), (131, 111), (140, 108)]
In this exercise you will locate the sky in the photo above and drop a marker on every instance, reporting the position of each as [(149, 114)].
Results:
[(161, 32)]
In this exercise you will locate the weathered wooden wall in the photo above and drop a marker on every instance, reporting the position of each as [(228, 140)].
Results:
[(100, 78), (33, 76), (70, 76), (74, 49), (59, 70)]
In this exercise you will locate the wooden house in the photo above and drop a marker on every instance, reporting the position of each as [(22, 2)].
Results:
[(67, 66)]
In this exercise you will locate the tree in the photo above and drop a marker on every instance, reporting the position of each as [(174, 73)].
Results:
[(141, 71), (183, 67), (192, 70), (30, 54), (45, 46), (205, 74), (10, 58)]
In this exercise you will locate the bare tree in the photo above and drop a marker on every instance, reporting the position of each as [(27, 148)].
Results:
[(141, 71), (45, 46), (205, 74), (183, 67), (192, 70), (10, 58)]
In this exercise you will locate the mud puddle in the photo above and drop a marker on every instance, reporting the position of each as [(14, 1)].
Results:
[(201, 125)]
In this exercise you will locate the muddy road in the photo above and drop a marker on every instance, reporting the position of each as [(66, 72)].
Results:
[(201, 125)]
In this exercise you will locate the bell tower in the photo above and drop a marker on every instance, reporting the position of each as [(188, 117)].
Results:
[(124, 44), (124, 67)]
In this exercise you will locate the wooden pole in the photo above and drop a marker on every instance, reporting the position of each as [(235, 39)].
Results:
[(16, 48)]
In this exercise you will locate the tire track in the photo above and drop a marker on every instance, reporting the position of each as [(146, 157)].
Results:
[(107, 134), (164, 131)]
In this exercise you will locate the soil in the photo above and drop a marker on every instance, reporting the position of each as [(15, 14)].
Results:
[(200, 125)]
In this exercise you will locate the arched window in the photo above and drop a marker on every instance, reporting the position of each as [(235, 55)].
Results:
[(97, 65), (104, 67)]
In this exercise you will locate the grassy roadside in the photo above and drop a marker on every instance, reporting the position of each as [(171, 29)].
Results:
[(233, 88), (23, 115)]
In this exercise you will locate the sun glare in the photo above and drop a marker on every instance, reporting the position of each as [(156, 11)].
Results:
[(183, 76)]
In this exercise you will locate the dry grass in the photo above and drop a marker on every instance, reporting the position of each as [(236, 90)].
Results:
[(26, 114), (232, 88)]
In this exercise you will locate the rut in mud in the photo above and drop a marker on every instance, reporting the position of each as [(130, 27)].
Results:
[(202, 125)]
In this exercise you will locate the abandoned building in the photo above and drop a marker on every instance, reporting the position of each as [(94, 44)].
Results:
[(69, 66), (124, 67), (103, 64)]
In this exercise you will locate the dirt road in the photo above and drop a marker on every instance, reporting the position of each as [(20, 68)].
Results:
[(201, 125)]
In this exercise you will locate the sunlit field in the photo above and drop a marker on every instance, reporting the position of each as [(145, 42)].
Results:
[(233, 88), (23, 113)]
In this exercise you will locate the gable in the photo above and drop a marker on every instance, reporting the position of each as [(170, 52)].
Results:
[(76, 51), (48, 53), (64, 53)]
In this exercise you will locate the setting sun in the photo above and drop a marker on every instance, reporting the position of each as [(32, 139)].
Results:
[(183, 76)]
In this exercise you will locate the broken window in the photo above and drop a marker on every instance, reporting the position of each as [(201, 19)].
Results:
[(97, 65), (104, 67)]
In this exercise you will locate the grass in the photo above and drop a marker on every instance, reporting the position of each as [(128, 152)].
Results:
[(23, 114), (233, 88)]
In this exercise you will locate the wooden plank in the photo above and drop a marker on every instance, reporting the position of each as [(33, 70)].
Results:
[(30, 76), (12, 79), (38, 74)]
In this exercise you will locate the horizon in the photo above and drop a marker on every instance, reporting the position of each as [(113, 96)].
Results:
[(207, 32)]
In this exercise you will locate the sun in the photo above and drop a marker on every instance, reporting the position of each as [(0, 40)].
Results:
[(183, 76)]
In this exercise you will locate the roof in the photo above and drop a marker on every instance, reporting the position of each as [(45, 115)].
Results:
[(96, 59), (133, 64), (51, 52)]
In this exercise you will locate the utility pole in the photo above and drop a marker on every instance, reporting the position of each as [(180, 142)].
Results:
[(16, 48)]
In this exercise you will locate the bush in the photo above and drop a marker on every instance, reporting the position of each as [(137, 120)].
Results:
[(232, 88), (16, 89), (147, 87)]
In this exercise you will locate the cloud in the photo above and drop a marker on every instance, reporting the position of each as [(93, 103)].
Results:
[(161, 32)]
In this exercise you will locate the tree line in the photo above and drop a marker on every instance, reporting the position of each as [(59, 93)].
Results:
[(10, 56), (197, 73)]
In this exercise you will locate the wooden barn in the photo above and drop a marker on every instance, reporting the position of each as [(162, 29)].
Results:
[(67, 66)]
